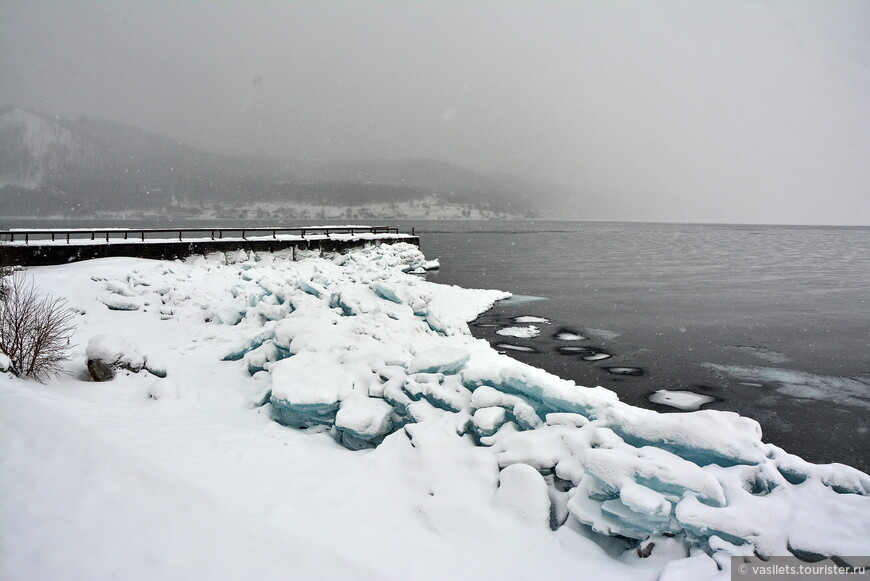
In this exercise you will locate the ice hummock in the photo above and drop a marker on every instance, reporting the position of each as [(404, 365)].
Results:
[(384, 353)]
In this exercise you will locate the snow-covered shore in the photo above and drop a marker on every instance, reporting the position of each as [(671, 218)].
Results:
[(465, 459)]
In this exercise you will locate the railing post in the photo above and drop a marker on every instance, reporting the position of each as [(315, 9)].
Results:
[(67, 237), (27, 239), (107, 236), (143, 235)]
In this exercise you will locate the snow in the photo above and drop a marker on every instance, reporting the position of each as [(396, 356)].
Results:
[(569, 336), (527, 332), (425, 453), (522, 491)]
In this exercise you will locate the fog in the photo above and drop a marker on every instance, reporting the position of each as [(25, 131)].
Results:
[(678, 111)]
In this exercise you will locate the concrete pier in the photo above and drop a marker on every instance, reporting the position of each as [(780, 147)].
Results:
[(45, 247)]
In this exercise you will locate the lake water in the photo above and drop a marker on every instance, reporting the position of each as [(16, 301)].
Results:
[(772, 322)]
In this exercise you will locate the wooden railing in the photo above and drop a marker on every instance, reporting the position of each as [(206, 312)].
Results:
[(215, 233)]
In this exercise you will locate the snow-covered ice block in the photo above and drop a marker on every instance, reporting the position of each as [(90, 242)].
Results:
[(117, 303), (517, 408), (439, 360), (566, 419), (654, 468), (645, 500), (523, 492), (487, 420), (545, 449), (386, 292), (841, 478), (312, 288), (259, 358), (307, 389), (119, 288), (231, 311), (247, 345), (703, 437), (545, 392), (442, 391), (363, 422)]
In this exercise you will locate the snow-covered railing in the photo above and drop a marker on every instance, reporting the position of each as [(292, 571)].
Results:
[(19, 234)]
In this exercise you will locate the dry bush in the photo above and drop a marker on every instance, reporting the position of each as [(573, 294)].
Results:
[(35, 328)]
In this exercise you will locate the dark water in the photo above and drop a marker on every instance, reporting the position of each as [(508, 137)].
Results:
[(771, 321)]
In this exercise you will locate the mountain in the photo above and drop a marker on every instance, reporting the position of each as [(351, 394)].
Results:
[(50, 165)]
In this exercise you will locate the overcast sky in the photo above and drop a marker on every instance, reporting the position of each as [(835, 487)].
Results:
[(686, 111)]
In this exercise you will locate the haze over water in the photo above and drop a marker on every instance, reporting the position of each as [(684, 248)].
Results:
[(729, 112)]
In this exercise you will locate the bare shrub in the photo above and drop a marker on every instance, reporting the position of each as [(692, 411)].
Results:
[(35, 328)]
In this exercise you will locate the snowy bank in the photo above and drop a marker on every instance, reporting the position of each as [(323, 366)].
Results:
[(466, 463)]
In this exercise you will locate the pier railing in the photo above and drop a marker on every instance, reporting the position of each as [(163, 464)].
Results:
[(167, 234)]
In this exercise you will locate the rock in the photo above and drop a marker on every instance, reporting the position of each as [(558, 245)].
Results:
[(107, 354), (100, 371)]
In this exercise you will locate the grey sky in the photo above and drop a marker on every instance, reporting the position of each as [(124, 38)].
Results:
[(700, 111)]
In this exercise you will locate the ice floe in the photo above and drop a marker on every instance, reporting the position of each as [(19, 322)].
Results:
[(512, 347), (520, 299), (527, 332), (634, 371), (524, 319), (680, 399)]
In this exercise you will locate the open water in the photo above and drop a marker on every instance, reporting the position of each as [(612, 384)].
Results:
[(772, 322)]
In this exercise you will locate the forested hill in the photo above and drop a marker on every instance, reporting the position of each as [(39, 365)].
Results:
[(50, 165)]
